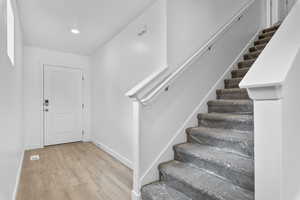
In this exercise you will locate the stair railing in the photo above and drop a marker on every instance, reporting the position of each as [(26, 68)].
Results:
[(163, 81), (149, 90)]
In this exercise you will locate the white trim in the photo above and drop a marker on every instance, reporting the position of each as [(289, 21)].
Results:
[(179, 137), (266, 93), (32, 147), (275, 11), (286, 8), (146, 82), (136, 122), (10, 31), (114, 154), (272, 10), (269, 12), (18, 176), (135, 196)]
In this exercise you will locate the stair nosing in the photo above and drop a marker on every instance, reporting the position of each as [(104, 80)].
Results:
[(234, 79), (164, 186), (274, 31), (220, 130), (232, 90), (254, 52), (218, 136), (212, 192), (226, 102), (225, 116), (216, 150), (241, 70)]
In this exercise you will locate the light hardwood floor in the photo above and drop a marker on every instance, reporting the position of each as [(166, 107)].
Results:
[(76, 171)]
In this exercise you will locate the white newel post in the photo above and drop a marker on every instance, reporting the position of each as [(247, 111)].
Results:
[(268, 126), (136, 194)]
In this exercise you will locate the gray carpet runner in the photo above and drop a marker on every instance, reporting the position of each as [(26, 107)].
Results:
[(217, 162)]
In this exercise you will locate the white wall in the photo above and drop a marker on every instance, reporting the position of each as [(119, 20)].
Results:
[(191, 23), (34, 58), (290, 137), (118, 66), (282, 10), (290, 4), (11, 111)]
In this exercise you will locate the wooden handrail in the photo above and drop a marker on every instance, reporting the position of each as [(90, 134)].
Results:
[(133, 93)]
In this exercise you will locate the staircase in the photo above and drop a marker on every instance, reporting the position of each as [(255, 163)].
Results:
[(217, 162)]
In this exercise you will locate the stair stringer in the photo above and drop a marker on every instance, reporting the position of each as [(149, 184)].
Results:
[(152, 174)]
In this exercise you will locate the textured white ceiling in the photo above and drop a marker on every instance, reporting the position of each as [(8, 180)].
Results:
[(47, 23)]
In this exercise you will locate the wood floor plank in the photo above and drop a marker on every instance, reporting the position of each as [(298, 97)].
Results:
[(76, 171)]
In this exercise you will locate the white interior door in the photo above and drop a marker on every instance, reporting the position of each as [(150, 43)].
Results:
[(62, 105)]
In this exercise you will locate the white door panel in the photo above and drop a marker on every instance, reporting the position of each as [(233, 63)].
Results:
[(63, 114)]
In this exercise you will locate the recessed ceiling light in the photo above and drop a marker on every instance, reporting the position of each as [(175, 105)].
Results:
[(75, 31)]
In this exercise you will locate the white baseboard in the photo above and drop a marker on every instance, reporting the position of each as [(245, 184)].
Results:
[(114, 154), (180, 137), (18, 176), (38, 146), (33, 147), (135, 196), (87, 140)]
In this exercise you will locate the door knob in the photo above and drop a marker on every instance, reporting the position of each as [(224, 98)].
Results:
[(46, 110), (46, 103)]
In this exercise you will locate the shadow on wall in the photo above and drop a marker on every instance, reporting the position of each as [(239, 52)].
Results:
[(136, 52)]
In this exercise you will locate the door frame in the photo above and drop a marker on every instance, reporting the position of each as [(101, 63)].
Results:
[(276, 11), (272, 12), (43, 66)]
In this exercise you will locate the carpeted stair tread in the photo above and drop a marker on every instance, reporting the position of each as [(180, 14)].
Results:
[(271, 29), (246, 63), (161, 191), (266, 35), (226, 121), (238, 73), (257, 47), (230, 106), (236, 168), (252, 55), (231, 140), (232, 83), (233, 93), (201, 184), (262, 41)]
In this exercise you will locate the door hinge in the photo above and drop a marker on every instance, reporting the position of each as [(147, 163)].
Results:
[(83, 78), (82, 105), (82, 132)]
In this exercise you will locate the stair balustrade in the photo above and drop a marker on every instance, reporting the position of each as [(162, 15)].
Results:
[(168, 102)]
